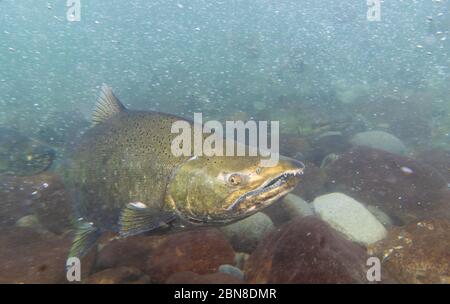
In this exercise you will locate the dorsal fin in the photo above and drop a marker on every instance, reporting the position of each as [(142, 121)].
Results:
[(108, 105)]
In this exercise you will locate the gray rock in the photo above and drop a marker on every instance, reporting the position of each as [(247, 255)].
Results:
[(380, 215), (296, 206), (28, 221), (350, 217), (379, 140), (231, 270), (245, 234)]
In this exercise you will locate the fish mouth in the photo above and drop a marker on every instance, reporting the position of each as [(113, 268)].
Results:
[(270, 191)]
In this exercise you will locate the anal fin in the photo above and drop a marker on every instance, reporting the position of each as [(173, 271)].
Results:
[(137, 218), (86, 236)]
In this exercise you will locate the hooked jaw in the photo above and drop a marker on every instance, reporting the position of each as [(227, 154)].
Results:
[(270, 191)]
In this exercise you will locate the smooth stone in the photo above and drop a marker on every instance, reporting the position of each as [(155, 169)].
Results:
[(31, 257), (240, 258), (131, 252), (417, 253), (350, 217), (296, 206), (379, 140), (201, 251), (245, 234), (189, 277), (28, 221), (381, 216), (405, 189), (306, 250), (231, 270), (120, 275)]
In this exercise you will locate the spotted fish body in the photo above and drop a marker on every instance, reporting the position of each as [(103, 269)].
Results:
[(126, 159), (123, 177)]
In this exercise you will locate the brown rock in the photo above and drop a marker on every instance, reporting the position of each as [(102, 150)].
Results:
[(406, 189), (417, 253), (407, 118), (312, 183), (439, 160), (201, 251), (189, 277), (131, 251), (29, 256), (51, 203), (306, 250), (120, 275), (15, 199)]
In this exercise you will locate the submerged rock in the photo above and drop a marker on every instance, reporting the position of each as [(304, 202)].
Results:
[(296, 206), (15, 199), (312, 183), (379, 140), (439, 160), (132, 252), (231, 270), (51, 204), (21, 155), (350, 217), (29, 256), (120, 275), (202, 251), (189, 277), (306, 250), (417, 253), (403, 188), (41, 195), (244, 235)]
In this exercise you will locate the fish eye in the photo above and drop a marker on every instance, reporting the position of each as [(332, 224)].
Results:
[(235, 179)]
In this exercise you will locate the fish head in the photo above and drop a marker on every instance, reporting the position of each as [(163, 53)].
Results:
[(220, 190)]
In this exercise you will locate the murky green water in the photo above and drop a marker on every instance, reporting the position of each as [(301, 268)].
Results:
[(361, 94)]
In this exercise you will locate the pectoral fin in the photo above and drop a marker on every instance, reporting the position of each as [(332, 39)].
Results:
[(85, 237), (137, 218)]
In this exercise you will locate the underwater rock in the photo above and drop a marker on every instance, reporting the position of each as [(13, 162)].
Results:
[(15, 199), (312, 182), (296, 206), (240, 258), (417, 253), (350, 217), (51, 204), (327, 143), (21, 155), (119, 275), (409, 118), (188, 277), (29, 256), (29, 221), (294, 146), (132, 252), (382, 217), (231, 270), (403, 188), (245, 234), (202, 251), (379, 140), (439, 160), (306, 250)]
